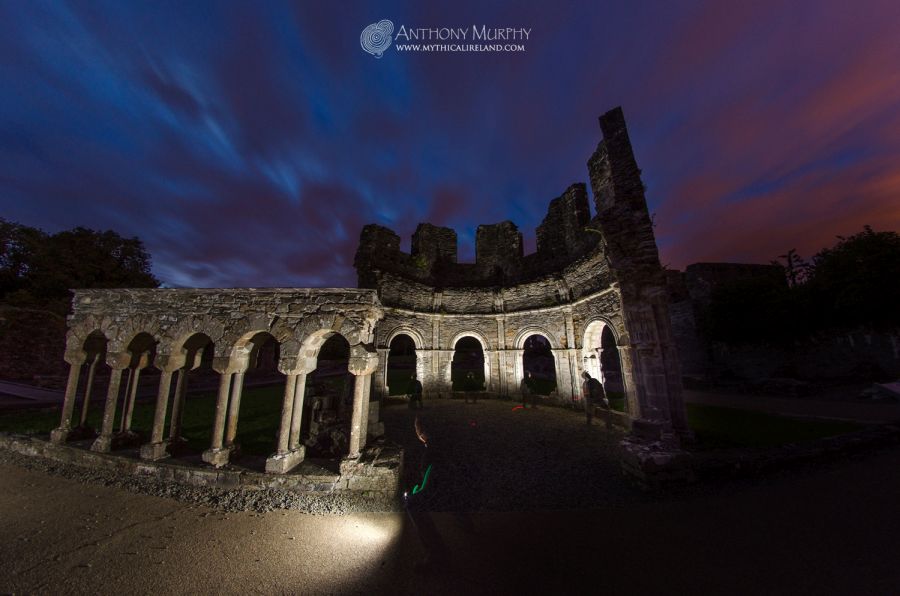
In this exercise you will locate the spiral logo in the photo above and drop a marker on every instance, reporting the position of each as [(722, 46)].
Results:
[(376, 38)]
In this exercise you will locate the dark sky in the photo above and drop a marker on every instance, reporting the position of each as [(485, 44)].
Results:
[(247, 143)]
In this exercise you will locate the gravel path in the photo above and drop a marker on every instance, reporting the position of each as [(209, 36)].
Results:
[(246, 499), (497, 458)]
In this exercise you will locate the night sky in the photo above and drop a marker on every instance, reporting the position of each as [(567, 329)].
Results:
[(247, 143)]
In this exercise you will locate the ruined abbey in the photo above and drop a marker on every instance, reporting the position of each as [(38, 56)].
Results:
[(594, 291)]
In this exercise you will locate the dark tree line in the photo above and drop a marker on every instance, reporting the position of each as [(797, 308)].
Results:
[(38, 269), (854, 284)]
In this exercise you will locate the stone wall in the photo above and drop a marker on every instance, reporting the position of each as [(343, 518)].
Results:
[(587, 275)]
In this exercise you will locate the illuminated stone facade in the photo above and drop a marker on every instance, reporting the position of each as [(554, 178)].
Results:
[(587, 275)]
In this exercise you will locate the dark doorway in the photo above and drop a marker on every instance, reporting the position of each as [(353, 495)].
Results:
[(611, 368), (467, 369), (537, 358), (401, 365)]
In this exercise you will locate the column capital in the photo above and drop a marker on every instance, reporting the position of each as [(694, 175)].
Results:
[(297, 365), (118, 360), (169, 362), (227, 365), (363, 360), (75, 357)]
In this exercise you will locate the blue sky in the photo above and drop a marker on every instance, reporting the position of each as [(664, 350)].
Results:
[(247, 143)]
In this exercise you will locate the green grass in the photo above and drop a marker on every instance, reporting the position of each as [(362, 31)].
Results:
[(257, 425), (717, 427)]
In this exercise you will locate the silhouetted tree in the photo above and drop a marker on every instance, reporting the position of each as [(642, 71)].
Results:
[(37, 269), (857, 282)]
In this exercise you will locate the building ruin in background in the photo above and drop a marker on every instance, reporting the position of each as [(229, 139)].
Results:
[(594, 291)]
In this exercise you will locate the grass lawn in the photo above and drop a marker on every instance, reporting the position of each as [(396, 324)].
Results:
[(717, 427), (257, 426)]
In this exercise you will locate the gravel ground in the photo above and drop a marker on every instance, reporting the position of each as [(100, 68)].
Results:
[(246, 499), (497, 458)]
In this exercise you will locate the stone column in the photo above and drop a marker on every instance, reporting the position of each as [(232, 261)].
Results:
[(519, 370), (216, 454), (287, 412), (117, 362), (381, 383), (297, 411), (127, 393), (75, 360), (363, 362), (178, 406), (234, 410), (156, 448), (631, 397), (290, 452), (88, 389), (143, 361)]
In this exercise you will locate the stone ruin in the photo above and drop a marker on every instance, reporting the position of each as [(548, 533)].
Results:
[(590, 279)]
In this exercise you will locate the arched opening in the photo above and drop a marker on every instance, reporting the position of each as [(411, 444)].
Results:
[(601, 359), (401, 365), (141, 381), (260, 399), (611, 370), (94, 381), (467, 368), (328, 405), (193, 399), (537, 359)]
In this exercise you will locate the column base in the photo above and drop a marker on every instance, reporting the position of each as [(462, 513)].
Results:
[(59, 435), (102, 444), (284, 463), (155, 451), (217, 457)]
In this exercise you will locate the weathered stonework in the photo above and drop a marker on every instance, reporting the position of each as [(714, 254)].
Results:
[(588, 277)]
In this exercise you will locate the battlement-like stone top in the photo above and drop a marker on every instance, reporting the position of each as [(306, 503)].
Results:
[(499, 249)]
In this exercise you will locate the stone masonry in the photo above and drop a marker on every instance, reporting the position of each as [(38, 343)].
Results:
[(587, 275)]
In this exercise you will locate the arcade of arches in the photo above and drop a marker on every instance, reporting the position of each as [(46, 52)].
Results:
[(591, 299)]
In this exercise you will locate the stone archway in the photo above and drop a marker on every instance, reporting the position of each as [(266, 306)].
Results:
[(403, 362), (470, 357), (539, 360), (602, 360)]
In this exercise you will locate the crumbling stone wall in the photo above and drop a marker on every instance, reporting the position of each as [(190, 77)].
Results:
[(168, 330), (586, 274)]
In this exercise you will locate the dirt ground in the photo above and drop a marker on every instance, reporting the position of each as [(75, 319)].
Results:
[(830, 530)]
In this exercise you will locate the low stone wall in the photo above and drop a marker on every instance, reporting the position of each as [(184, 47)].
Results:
[(654, 465), (375, 474)]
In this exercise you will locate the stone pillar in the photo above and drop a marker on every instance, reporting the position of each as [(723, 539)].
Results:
[(88, 389), (290, 452), (178, 406), (297, 411), (567, 380), (216, 454), (156, 448), (75, 360), (633, 404), (503, 372), (234, 410), (381, 384), (117, 362), (287, 411), (143, 361), (363, 362), (127, 393)]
